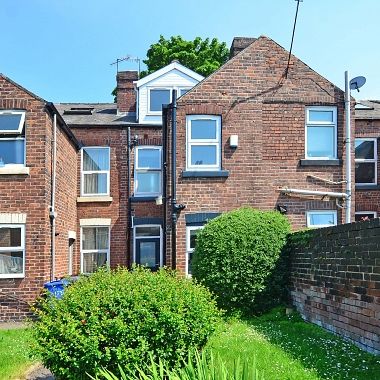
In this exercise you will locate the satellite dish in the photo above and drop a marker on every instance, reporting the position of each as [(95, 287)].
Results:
[(357, 82)]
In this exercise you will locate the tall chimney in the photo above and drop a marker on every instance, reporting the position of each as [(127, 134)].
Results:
[(125, 92), (239, 44)]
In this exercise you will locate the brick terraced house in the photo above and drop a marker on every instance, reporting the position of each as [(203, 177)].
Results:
[(98, 185), (367, 124)]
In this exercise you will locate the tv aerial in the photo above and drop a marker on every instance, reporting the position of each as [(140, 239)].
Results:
[(127, 58), (357, 82)]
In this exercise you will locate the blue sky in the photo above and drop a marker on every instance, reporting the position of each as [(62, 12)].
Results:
[(62, 49)]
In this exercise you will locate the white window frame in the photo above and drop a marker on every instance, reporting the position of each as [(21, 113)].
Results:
[(83, 172), (190, 250), (182, 88), (311, 212), (203, 142), (366, 213), (82, 251), (20, 138), (20, 126), (15, 249), (170, 89), (368, 160), (148, 237), (147, 170), (322, 124)]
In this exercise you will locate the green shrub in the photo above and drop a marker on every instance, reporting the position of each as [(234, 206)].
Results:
[(237, 255), (121, 317), (202, 367)]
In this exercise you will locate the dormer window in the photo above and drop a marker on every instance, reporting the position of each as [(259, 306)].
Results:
[(158, 97), (12, 138)]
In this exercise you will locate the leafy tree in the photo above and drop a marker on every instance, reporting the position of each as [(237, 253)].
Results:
[(202, 56)]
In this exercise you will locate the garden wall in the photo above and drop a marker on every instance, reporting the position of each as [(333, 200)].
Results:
[(335, 280)]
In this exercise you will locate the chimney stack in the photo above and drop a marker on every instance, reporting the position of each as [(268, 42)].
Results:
[(239, 44), (125, 92)]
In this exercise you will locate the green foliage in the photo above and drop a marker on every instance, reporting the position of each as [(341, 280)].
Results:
[(201, 367), (118, 317), (300, 238), (202, 56), (237, 256), (14, 358), (286, 347)]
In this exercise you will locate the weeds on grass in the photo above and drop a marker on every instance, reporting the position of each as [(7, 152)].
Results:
[(198, 367), (328, 355)]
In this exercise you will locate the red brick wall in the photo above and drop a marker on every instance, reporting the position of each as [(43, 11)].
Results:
[(27, 194), (117, 210), (126, 95), (368, 200), (267, 112), (335, 280), (65, 201)]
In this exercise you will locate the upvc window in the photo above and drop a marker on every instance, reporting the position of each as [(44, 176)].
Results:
[(11, 122), (148, 172), (366, 161), (12, 250), (95, 248), (365, 215), (203, 142), (12, 138), (191, 237), (321, 218), (95, 171), (182, 91), (158, 97), (321, 133)]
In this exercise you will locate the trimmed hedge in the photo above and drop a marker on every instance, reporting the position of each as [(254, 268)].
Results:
[(237, 255), (121, 318)]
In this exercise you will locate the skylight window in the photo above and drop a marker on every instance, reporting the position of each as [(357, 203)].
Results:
[(11, 122)]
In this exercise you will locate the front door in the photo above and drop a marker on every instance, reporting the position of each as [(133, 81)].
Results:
[(148, 253)]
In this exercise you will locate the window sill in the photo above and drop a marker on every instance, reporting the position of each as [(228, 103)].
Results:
[(11, 276), (144, 198), (94, 199), (308, 162), (205, 173), (14, 170), (367, 187)]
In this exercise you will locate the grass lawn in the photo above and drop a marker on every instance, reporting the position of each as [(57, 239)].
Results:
[(290, 349), (14, 358)]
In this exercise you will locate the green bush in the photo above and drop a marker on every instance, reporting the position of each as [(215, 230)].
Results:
[(202, 367), (236, 256), (122, 317)]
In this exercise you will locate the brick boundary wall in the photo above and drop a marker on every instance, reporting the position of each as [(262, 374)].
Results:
[(335, 280)]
